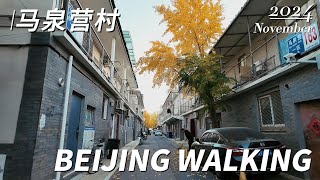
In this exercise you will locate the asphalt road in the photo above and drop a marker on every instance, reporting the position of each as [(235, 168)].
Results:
[(154, 143)]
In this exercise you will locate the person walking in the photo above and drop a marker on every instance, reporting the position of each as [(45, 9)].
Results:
[(189, 136)]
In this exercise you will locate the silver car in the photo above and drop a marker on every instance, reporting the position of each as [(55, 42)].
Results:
[(158, 133)]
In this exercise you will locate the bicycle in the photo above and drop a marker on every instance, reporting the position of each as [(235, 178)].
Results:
[(95, 147)]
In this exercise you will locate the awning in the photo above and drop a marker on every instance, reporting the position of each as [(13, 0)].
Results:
[(172, 119), (236, 36)]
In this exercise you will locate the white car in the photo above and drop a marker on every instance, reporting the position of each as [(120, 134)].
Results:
[(158, 133)]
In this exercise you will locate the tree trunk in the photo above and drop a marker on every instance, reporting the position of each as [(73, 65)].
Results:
[(213, 117)]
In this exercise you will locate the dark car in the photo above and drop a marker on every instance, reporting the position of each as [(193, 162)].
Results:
[(237, 139)]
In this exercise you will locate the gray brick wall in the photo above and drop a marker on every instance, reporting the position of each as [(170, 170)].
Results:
[(83, 83), (304, 85), (52, 105), (33, 154)]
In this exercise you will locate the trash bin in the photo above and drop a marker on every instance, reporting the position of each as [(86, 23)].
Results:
[(170, 135), (112, 144)]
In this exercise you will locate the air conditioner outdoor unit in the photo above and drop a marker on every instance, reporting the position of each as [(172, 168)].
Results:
[(195, 115), (258, 66), (119, 105), (126, 113)]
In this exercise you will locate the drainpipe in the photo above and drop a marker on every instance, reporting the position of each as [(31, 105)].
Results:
[(113, 58), (65, 109)]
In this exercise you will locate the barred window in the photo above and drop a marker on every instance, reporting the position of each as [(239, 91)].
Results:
[(271, 114)]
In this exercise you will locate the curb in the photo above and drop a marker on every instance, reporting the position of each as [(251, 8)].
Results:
[(117, 166)]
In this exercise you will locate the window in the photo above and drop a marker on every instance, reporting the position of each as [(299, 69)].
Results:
[(270, 107), (204, 137), (105, 108), (213, 137), (89, 121)]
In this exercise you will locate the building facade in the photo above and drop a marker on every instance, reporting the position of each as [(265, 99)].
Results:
[(181, 111), (62, 90), (277, 97)]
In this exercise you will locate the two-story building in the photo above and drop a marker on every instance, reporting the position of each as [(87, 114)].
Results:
[(62, 89), (181, 111), (276, 96)]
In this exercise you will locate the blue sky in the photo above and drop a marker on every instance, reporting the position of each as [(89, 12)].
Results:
[(139, 17)]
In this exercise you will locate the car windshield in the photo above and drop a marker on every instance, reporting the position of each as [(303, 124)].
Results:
[(240, 134)]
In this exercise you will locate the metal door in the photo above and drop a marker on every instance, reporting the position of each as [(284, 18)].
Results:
[(73, 126)]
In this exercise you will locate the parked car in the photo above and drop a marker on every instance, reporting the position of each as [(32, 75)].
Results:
[(237, 139), (158, 133)]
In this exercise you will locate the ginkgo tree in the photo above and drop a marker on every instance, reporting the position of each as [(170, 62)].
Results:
[(203, 76), (193, 25), (151, 119)]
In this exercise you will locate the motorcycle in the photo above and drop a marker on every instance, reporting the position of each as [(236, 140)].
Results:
[(145, 136), (142, 137)]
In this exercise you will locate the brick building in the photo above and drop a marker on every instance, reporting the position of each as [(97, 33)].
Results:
[(83, 79), (279, 98), (180, 111)]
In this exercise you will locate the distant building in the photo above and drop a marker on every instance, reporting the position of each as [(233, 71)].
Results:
[(128, 40)]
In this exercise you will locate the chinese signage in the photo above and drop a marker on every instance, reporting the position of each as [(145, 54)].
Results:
[(77, 35), (304, 41), (78, 20)]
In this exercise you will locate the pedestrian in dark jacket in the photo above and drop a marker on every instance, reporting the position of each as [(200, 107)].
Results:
[(189, 136)]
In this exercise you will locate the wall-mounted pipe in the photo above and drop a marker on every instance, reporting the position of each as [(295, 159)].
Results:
[(65, 109)]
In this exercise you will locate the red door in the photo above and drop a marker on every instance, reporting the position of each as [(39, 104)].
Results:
[(310, 118)]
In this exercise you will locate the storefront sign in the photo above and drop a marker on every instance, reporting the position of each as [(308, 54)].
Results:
[(303, 42), (77, 35)]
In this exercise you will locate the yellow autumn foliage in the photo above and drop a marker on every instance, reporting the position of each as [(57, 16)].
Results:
[(151, 119), (194, 26)]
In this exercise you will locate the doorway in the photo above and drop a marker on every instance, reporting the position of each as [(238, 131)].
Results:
[(310, 119), (193, 127), (73, 126)]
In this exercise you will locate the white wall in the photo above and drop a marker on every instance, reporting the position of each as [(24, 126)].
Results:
[(12, 73)]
